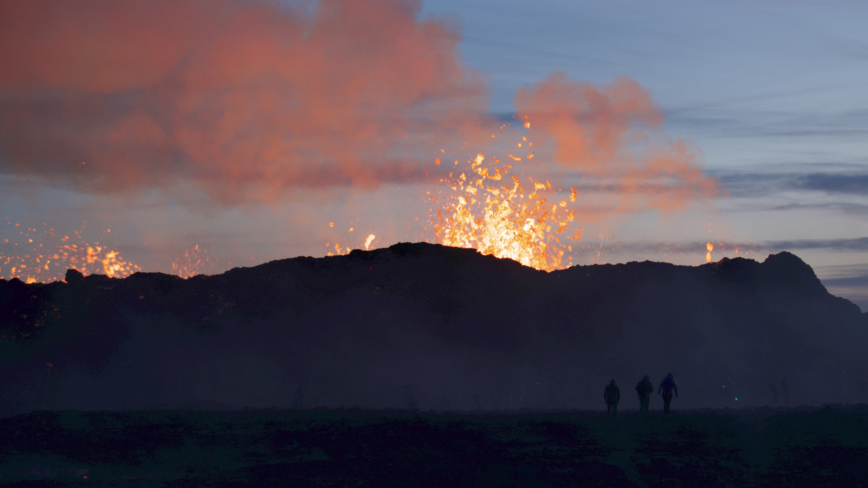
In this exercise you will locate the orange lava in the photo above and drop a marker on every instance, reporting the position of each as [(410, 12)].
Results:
[(33, 258), (709, 247), (502, 218), (192, 262)]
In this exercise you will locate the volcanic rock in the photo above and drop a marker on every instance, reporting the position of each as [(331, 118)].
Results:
[(74, 276), (458, 329)]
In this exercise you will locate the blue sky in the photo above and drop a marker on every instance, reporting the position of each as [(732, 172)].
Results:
[(771, 93)]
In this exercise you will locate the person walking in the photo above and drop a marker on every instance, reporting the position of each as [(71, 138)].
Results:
[(667, 386), (644, 389), (612, 395)]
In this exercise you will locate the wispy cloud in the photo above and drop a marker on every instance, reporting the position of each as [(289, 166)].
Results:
[(721, 120), (646, 247), (840, 186), (856, 184)]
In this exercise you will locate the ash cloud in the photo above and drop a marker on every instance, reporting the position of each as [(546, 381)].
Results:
[(244, 98), (612, 136), (251, 101)]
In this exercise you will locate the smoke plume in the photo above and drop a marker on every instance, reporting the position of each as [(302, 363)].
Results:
[(612, 136), (251, 101), (244, 99)]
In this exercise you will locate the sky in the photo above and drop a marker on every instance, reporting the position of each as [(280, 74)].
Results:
[(234, 133)]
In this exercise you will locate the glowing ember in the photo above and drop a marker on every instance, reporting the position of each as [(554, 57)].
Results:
[(338, 250), (192, 262), (31, 257), (506, 220), (710, 248), (369, 240)]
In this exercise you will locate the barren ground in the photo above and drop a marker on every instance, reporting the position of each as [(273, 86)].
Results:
[(825, 446)]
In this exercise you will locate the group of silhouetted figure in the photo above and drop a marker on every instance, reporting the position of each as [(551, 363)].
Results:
[(780, 394), (667, 387)]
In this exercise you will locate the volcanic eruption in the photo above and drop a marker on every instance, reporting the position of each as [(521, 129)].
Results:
[(299, 114)]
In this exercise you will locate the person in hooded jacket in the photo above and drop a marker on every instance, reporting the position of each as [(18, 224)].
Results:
[(644, 389), (612, 395), (667, 386)]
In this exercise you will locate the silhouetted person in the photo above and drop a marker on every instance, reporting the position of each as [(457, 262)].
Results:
[(298, 399), (612, 395), (667, 386), (644, 389)]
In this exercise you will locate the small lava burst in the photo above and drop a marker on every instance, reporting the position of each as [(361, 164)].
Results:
[(192, 262), (38, 255), (710, 248), (369, 240)]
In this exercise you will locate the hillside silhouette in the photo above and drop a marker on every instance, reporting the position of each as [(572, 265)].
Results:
[(430, 327)]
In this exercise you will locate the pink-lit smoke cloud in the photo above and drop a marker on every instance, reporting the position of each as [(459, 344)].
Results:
[(612, 136), (245, 99), (249, 100)]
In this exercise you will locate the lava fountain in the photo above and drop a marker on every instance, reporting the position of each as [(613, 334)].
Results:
[(502, 217), (35, 258)]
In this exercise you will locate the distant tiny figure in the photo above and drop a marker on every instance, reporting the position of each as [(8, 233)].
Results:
[(298, 400), (667, 386), (612, 396), (644, 389)]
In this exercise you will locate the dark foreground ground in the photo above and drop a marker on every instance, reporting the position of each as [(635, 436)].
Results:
[(825, 446)]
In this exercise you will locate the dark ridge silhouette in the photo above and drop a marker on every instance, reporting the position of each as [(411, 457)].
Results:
[(430, 327)]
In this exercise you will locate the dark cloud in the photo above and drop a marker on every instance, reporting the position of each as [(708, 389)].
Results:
[(834, 183), (835, 179), (857, 244), (757, 124), (849, 282), (693, 247)]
